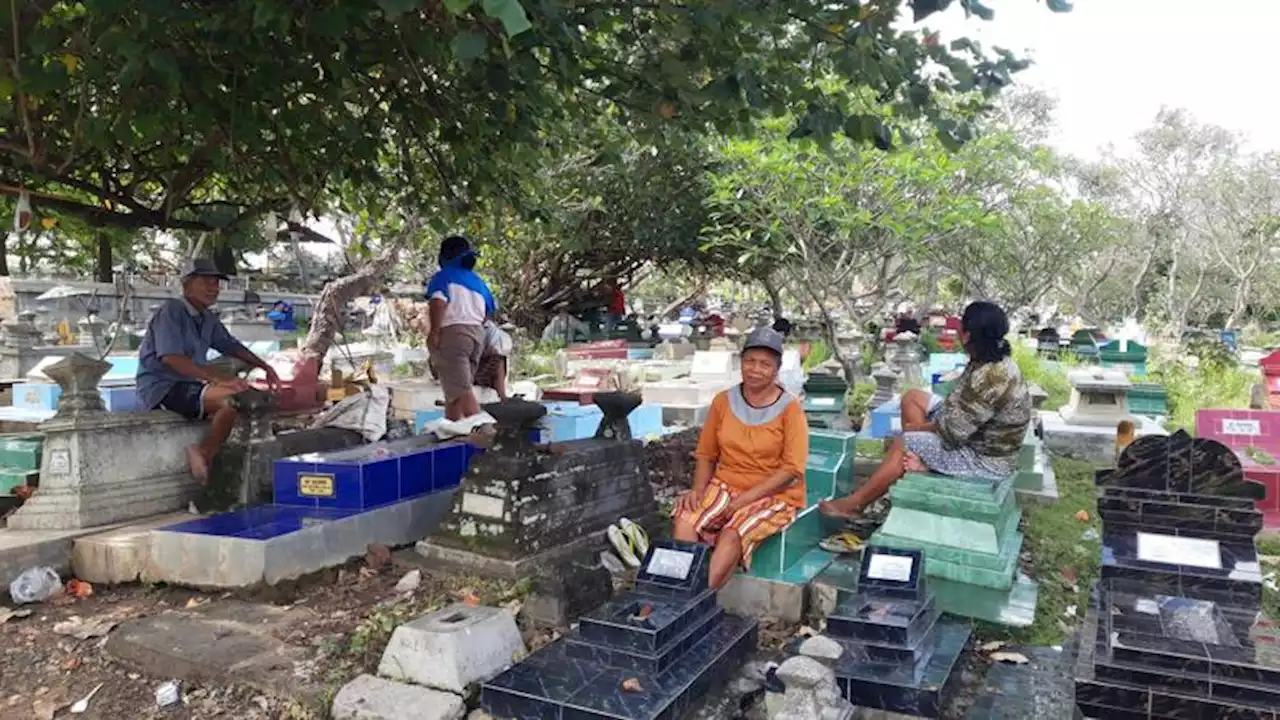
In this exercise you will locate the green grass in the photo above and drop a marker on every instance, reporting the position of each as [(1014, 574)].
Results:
[(819, 352), (1051, 378), (1210, 386), (1054, 539)]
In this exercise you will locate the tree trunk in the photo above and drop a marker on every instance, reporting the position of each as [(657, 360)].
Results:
[(326, 318), (775, 296), (4, 254), (102, 268)]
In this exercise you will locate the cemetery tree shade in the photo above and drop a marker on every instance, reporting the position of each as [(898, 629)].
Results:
[(201, 116)]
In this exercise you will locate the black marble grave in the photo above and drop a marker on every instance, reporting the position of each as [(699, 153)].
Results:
[(649, 653), (899, 649), (1174, 624)]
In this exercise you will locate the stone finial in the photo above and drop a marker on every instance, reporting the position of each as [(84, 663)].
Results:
[(21, 332), (616, 406), (516, 420), (811, 693), (78, 376), (91, 330)]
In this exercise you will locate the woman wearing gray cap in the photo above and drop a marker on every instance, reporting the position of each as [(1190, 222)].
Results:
[(749, 480)]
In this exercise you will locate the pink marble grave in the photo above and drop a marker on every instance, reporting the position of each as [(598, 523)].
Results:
[(584, 387), (1270, 366), (599, 350), (1244, 429)]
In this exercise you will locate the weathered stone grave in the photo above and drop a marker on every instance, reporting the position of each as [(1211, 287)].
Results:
[(900, 652), (524, 505), (1175, 618), (1254, 437), (904, 357), (685, 401), (328, 507), (1085, 429), (650, 653)]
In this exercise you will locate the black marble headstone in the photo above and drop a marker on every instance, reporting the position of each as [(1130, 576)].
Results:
[(651, 652), (1172, 624), (899, 651)]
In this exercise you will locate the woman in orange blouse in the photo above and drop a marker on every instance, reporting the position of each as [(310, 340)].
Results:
[(749, 480)]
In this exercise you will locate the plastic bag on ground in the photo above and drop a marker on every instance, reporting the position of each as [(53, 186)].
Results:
[(35, 585)]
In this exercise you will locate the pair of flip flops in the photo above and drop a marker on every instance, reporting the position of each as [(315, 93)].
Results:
[(843, 543), (629, 540)]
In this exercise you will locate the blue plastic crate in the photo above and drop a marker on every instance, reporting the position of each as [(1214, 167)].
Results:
[(886, 420), (370, 476)]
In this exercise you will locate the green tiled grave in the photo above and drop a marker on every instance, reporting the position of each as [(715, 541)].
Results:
[(824, 400), (968, 531), (1030, 476), (781, 552), (19, 461), (1132, 360), (1148, 399), (21, 452), (829, 472)]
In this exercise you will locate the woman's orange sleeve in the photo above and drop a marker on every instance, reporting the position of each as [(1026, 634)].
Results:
[(709, 439)]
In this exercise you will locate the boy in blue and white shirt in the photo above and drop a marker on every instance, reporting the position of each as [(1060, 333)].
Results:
[(458, 301)]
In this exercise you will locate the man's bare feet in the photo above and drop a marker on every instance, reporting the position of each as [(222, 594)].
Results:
[(198, 463)]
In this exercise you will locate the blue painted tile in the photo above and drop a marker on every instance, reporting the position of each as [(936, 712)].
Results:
[(415, 474), (347, 493), (284, 483), (261, 522), (448, 463), (380, 482)]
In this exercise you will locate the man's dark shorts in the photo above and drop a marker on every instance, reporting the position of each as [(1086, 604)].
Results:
[(185, 398)]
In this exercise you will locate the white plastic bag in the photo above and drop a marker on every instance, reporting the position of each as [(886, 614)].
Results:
[(34, 585), (497, 340)]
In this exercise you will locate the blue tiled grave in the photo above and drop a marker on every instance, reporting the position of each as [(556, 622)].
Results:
[(329, 507), (666, 639), (1175, 627), (900, 651), (567, 421), (44, 396), (368, 476)]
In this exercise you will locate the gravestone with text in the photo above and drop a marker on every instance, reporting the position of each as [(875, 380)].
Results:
[(1254, 436), (901, 652), (651, 652), (1175, 628)]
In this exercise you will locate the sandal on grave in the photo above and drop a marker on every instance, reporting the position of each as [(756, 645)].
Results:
[(842, 543)]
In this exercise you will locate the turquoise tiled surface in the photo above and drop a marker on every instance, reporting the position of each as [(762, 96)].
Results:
[(979, 489), (1006, 546), (780, 552), (924, 529), (988, 511), (1148, 399), (1015, 607)]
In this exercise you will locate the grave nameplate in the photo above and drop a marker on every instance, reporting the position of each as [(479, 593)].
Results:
[(1174, 617)]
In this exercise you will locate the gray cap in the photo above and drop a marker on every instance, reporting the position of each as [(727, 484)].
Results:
[(201, 267), (766, 338)]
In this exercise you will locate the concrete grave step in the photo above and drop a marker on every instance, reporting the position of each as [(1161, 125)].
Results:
[(118, 555)]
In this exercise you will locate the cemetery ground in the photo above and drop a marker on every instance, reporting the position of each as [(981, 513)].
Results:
[(326, 629)]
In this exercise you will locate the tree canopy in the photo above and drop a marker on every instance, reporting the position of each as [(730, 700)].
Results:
[(181, 114)]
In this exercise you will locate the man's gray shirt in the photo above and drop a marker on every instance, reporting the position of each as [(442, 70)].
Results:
[(178, 328)]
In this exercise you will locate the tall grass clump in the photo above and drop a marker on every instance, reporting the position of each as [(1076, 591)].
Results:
[(1050, 375), (1213, 384)]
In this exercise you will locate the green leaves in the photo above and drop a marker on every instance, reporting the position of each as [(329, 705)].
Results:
[(922, 9), (457, 7), (468, 46), (393, 9), (510, 13)]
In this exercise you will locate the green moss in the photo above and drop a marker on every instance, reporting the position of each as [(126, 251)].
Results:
[(1260, 456)]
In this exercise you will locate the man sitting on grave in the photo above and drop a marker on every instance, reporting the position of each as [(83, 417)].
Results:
[(976, 432), (751, 456), (173, 362)]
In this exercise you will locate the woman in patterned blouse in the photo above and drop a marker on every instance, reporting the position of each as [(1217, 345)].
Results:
[(974, 434)]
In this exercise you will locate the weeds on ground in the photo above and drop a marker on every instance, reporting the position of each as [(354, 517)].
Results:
[(1050, 375), (819, 352), (1211, 385), (1063, 557)]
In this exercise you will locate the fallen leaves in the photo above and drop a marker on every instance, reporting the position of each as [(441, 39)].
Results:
[(10, 613), (1082, 516), (631, 685), (81, 629), (991, 646)]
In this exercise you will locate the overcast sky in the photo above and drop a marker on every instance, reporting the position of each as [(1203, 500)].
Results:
[(1113, 63)]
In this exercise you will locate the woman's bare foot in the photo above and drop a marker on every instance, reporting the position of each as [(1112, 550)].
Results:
[(913, 464), (835, 509), (198, 463)]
